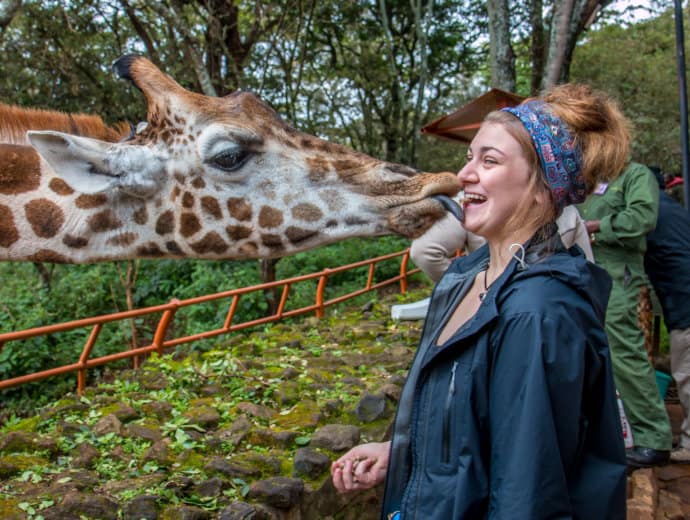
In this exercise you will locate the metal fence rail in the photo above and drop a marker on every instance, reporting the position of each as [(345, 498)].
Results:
[(167, 312)]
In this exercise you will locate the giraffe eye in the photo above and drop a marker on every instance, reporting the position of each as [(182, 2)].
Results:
[(231, 161)]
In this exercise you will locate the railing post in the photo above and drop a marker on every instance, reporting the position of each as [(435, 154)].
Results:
[(319, 293), (162, 328), (403, 271)]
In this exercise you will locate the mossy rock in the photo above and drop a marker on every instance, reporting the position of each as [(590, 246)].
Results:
[(9, 509), (304, 415)]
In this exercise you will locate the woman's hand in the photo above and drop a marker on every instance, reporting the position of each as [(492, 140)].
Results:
[(363, 467)]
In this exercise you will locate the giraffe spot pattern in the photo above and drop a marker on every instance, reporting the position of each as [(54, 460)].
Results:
[(21, 169), (174, 248), (270, 217), (75, 242), (91, 201), (296, 235), (239, 209), (104, 221), (198, 183), (271, 240), (8, 230), (122, 239), (141, 216), (187, 200), (150, 249), (45, 217), (250, 249), (165, 223), (47, 255), (189, 224), (210, 206), (60, 187), (318, 169), (238, 232), (307, 212), (211, 243), (175, 193)]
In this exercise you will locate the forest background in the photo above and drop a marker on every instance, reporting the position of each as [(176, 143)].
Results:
[(366, 73)]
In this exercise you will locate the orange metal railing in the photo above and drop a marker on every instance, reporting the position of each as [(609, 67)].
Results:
[(167, 315)]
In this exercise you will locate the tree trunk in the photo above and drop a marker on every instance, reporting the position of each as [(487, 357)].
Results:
[(559, 42), (537, 46), (501, 50), (268, 275)]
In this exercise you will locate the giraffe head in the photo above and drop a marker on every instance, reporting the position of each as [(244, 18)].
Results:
[(225, 177)]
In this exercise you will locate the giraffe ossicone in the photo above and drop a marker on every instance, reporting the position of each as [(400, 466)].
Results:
[(214, 178)]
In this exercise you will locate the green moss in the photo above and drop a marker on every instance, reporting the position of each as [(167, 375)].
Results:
[(9, 509)]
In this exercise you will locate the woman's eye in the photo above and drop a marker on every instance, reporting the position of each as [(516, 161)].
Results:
[(231, 161)]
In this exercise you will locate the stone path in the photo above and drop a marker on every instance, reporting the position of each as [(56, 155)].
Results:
[(661, 493)]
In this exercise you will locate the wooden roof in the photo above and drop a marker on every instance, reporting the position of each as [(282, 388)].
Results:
[(463, 123)]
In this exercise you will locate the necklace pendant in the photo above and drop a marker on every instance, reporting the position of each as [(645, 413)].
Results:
[(482, 295)]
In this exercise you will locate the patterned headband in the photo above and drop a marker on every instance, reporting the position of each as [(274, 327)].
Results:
[(559, 154)]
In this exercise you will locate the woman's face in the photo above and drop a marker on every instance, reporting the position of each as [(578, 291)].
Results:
[(495, 180)]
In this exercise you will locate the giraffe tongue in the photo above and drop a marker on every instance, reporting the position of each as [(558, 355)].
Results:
[(451, 206)]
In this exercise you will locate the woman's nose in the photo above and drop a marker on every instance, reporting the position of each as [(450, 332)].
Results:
[(468, 174)]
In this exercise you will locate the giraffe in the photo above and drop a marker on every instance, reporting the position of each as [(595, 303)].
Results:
[(205, 178)]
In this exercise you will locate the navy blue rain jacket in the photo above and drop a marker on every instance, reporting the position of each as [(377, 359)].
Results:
[(515, 416)]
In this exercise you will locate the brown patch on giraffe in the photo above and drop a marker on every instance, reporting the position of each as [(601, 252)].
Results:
[(270, 217), (249, 249), (21, 171), (173, 248), (308, 212), (47, 255), (187, 200), (8, 230), (198, 183), (331, 223), (165, 223), (318, 168), (239, 209), (45, 217), (333, 199), (180, 178), (60, 187), (104, 221), (347, 167), (189, 224), (268, 189), (175, 193), (122, 239), (141, 216), (271, 240), (75, 242), (211, 243), (238, 232), (296, 235), (150, 250), (210, 206), (91, 201)]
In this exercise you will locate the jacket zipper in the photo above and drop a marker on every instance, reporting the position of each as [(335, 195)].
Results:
[(445, 448)]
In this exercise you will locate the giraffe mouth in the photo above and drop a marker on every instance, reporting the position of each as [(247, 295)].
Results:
[(414, 219)]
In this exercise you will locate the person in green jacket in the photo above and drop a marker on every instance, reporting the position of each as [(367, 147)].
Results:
[(618, 216)]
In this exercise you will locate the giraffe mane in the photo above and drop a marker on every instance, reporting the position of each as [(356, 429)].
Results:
[(15, 121)]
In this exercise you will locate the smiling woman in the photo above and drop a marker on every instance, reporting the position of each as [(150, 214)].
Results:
[(509, 409)]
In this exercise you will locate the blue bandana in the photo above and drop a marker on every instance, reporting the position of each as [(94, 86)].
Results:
[(559, 154)]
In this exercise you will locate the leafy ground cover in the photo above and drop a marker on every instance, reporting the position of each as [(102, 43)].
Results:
[(248, 428)]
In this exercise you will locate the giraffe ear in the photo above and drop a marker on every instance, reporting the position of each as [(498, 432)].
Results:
[(79, 161)]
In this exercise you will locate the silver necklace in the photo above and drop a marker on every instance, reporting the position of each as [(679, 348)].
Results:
[(482, 294)]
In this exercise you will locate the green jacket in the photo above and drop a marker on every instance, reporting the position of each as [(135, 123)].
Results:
[(627, 209)]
